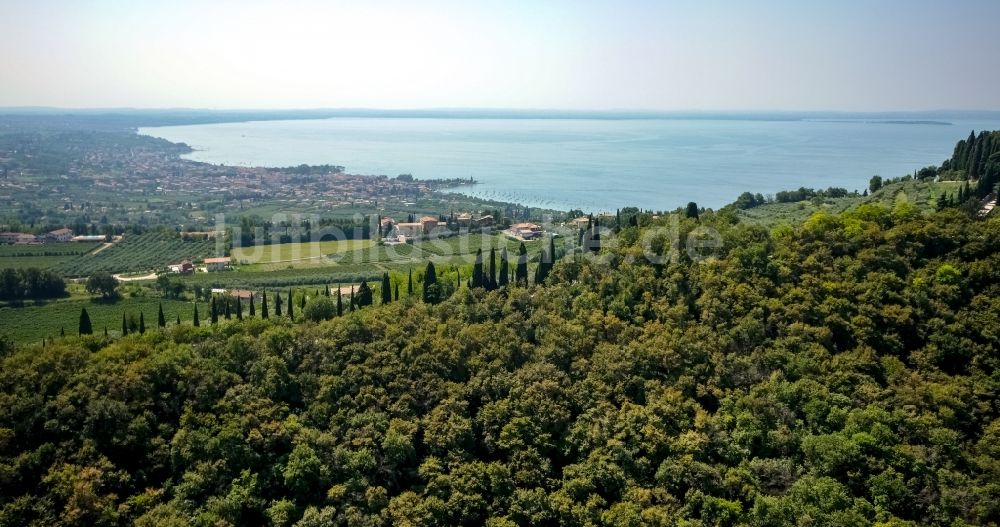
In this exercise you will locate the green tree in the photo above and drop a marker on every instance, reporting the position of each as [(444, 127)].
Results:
[(263, 305), (196, 321), (213, 312), (504, 269), (253, 310), (319, 309), (492, 278), (239, 308), (692, 210), (102, 283), (340, 303), (161, 319), (364, 294), (291, 305), (431, 289), (85, 327), (142, 323), (875, 183), (124, 325), (478, 277), (521, 272), (386, 289), (409, 283)]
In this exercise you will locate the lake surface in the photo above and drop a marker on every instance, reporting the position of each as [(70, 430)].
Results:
[(591, 164)]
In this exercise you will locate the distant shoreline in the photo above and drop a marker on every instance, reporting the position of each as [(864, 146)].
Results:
[(141, 118)]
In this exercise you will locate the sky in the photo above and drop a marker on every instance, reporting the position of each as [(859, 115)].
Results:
[(709, 55)]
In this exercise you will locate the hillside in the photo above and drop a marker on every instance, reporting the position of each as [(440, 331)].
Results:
[(843, 371)]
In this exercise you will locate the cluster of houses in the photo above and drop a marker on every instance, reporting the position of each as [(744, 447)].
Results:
[(58, 235), (524, 231), (401, 232), (211, 264)]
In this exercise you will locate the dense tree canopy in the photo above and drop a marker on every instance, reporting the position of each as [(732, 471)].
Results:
[(842, 372)]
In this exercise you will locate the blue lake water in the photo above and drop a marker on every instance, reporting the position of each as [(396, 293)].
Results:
[(591, 164)]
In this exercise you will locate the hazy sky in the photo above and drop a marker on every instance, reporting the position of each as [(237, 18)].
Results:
[(669, 55)]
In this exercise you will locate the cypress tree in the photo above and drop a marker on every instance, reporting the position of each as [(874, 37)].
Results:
[(942, 201), (692, 210), (178, 319), (277, 303), (491, 283), (229, 303), (521, 273), (504, 269), (364, 294), (352, 297), (213, 312), (85, 327), (327, 287), (340, 303), (396, 291), (142, 323), (430, 284), (302, 300), (62, 332), (291, 306), (124, 325), (160, 319), (409, 284), (263, 305), (477, 270), (239, 309), (197, 322), (253, 310), (105, 331), (386, 289)]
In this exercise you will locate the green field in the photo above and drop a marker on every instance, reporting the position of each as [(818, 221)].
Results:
[(44, 256), (149, 251), (293, 255), (31, 323)]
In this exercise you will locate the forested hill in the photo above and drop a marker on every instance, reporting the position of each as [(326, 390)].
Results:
[(978, 157), (842, 372)]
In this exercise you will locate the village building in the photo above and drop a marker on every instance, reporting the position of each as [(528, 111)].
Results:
[(185, 267), (524, 231), (60, 235), (409, 230), (19, 238), (217, 264)]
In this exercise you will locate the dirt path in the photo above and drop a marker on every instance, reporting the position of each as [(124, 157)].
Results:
[(101, 248), (150, 276)]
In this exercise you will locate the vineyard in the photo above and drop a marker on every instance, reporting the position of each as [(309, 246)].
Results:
[(44, 256), (143, 252), (46, 320)]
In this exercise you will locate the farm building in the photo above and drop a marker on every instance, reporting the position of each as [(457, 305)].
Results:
[(217, 264)]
